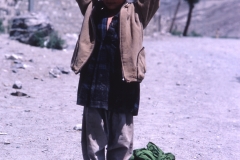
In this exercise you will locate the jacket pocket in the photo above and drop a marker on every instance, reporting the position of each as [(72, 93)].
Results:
[(141, 65)]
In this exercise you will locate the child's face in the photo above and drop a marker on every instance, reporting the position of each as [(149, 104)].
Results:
[(113, 4)]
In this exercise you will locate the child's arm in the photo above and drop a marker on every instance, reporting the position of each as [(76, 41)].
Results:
[(146, 9), (83, 4)]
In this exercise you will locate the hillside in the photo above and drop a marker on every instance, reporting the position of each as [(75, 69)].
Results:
[(210, 17)]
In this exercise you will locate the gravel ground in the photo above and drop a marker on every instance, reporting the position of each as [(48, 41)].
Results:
[(190, 101)]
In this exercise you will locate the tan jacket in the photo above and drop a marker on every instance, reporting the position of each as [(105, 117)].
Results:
[(134, 17)]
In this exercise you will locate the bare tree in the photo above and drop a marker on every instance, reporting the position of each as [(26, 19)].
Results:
[(30, 5), (175, 15), (191, 4)]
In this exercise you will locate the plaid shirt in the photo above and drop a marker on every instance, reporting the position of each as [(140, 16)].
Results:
[(101, 84)]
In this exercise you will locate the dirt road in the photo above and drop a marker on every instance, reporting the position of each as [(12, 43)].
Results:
[(190, 101)]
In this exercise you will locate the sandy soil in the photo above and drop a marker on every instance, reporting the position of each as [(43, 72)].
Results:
[(190, 101)]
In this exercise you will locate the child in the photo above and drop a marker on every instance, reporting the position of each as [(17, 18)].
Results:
[(111, 59)]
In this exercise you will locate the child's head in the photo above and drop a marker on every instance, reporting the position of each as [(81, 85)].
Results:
[(113, 4)]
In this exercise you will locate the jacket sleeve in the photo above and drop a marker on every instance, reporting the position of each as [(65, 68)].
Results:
[(83, 4), (146, 10)]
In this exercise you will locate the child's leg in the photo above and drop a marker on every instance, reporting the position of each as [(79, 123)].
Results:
[(94, 138), (102, 128), (120, 145)]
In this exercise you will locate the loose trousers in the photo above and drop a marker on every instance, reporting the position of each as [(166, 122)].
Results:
[(106, 135)]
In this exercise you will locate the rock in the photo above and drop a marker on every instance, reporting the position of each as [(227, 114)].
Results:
[(6, 143), (55, 73), (78, 127), (3, 133), (25, 28), (19, 65), (44, 150), (14, 70), (17, 85), (178, 83), (17, 61), (36, 77), (64, 70), (19, 94), (13, 57)]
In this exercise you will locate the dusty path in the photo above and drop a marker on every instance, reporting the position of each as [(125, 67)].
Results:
[(190, 101)]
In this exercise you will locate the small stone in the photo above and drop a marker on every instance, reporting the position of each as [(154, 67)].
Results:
[(17, 85), (24, 66), (12, 57), (27, 110), (178, 83), (55, 72), (19, 94), (17, 61), (10, 124), (64, 70), (14, 70), (78, 127), (19, 66), (30, 60), (3, 133), (7, 143)]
